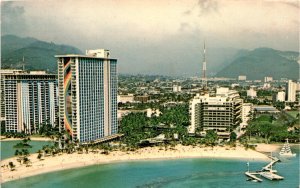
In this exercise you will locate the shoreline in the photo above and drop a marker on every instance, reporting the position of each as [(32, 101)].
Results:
[(75, 160), (4, 139)]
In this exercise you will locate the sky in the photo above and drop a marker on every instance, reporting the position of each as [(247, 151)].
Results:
[(158, 36)]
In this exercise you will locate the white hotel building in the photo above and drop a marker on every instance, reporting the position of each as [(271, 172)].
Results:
[(291, 88), (28, 100), (221, 113), (88, 95)]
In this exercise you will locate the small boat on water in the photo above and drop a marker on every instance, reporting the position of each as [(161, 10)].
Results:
[(286, 150)]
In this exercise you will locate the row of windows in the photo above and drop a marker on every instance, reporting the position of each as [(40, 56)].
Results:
[(36, 103), (91, 99), (113, 90)]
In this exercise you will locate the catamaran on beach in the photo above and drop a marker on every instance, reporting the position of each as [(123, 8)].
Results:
[(286, 150)]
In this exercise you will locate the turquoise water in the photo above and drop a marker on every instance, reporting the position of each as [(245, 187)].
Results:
[(180, 173), (7, 149)]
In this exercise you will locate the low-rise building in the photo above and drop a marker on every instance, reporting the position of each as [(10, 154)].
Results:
[(153, 112), (125, 98), (251, 93), (268, 79), (280, 96), (246, 114), (242, 78), (142, 98), (176, 88), (265, 109)]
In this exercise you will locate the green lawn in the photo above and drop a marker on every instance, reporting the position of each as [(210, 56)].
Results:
[(293, 113)]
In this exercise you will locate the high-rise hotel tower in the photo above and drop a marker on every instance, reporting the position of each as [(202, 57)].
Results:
[(87, 87), (28, 100)]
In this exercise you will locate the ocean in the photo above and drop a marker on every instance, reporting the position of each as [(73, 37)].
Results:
[(181, 173), (7, 149)]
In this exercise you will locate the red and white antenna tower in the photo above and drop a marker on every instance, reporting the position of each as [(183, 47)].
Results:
[(204, 80)]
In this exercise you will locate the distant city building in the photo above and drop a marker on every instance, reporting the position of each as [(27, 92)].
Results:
[(88, 95), (291, 88), (142, 98), (280, 96), (221, 113), (126, 98), (176, 88), (226, 92), (242, 77), (247, 109), (264, 109), (268, 79), (266, 86), (234, 85), (153, 112), (251, 93), (28, 100)]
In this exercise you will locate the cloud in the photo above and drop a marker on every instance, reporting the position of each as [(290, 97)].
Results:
[(294, 4), (187, 12), (202, 7), (12, 18), (207, 6), (156, 33), (184, 26)]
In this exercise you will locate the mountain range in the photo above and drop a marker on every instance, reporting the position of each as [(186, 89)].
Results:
[(34, 54), (261, 62), (221, 62)]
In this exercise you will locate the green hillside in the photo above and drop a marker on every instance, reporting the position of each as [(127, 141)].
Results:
[(38, 55), (263, 62)]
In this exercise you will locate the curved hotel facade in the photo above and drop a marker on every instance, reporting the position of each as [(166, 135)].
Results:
[(87, 87)]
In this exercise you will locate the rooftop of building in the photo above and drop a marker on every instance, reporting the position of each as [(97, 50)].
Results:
[(97, 54), (215, 99), (265, 108), (83, 56), (222, 95), (23, 72)]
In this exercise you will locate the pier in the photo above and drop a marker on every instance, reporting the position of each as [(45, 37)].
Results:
[(252, 176), (271, 176), (269, 166), (266, 172)]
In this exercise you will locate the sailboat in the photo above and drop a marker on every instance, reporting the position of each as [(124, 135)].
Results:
[(286, 150)]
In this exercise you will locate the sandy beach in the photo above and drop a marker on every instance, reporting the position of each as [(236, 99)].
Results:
[(67, 161), (3, 138), (268, 148)]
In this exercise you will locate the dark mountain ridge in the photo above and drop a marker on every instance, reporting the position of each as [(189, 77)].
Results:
[(38, 55), (261, 62)]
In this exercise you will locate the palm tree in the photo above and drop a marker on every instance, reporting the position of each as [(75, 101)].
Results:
[(11, 166), (39, 156), (25, 152), (211, 138), (86, 149), (26, 160), (58, 137), (16, 152)]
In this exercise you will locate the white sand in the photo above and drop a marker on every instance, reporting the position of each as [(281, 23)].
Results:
[(66, 161), (3, 138), (268, 148)]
